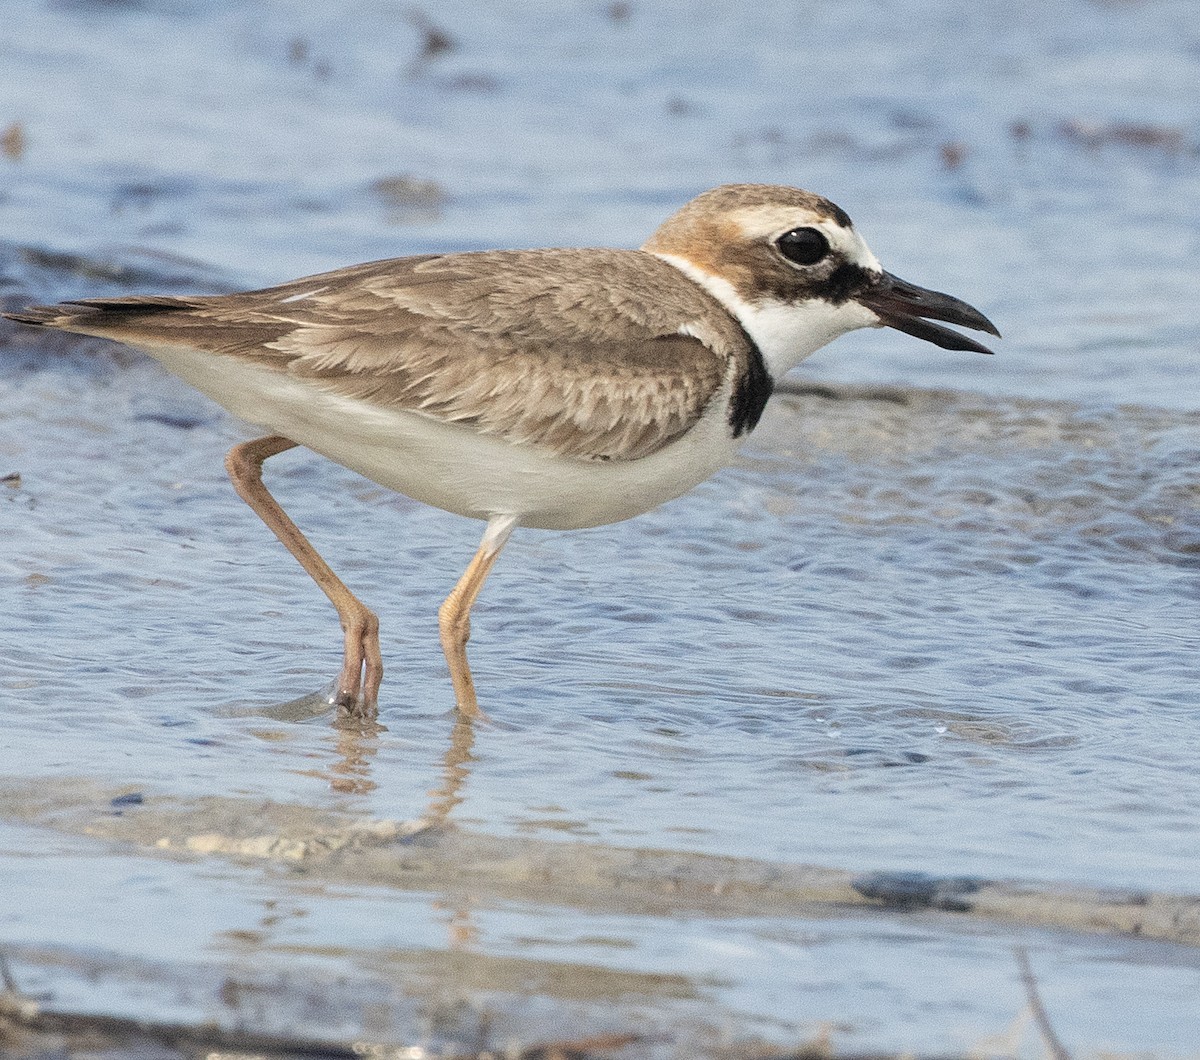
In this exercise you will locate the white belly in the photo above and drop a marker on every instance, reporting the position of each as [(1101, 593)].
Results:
[(450, 466)]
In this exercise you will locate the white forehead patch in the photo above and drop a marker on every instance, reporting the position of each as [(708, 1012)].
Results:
[(770, 222)]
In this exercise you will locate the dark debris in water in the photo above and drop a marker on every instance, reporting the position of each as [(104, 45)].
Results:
[(410, 199), (917, 135), (435, 41), (1148, 137), (1144, 135), (13, 141), (299, 53), (918, 890)]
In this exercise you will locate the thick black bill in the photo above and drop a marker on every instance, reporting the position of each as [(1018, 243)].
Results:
[(911, 309)]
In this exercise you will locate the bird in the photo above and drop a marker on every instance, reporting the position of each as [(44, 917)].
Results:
[(554, 388)]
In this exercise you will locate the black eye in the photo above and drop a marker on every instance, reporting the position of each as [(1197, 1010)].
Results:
[(804, 246)]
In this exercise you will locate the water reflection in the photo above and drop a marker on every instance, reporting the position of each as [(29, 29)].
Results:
[(457, 912), (357, 742), (356, 739), (456, 768), (458, 915), (356, 745)]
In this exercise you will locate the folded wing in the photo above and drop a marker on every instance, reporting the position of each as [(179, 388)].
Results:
[(599, 354)]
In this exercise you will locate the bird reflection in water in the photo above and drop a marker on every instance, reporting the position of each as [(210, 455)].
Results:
[(356, 742)]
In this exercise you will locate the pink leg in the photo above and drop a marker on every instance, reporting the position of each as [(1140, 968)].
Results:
[(362, 668)]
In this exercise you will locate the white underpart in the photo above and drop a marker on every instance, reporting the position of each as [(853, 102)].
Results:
[(784, 332), (454, 467)]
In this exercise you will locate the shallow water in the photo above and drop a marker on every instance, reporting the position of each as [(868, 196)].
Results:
[(916, 630)]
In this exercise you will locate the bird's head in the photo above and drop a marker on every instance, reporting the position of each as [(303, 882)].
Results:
[(792, 268)]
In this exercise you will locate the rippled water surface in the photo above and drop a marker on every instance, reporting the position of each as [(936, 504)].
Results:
[(940, 620)]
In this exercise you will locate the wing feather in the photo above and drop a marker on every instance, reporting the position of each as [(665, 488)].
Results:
[(598, 354)]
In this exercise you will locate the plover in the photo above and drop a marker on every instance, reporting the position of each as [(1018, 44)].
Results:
[(559, 388)]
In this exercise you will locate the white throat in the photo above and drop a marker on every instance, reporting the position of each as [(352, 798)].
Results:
[(785, 333)]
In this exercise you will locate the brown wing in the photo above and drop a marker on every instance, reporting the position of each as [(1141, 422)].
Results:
[(601, 354)]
